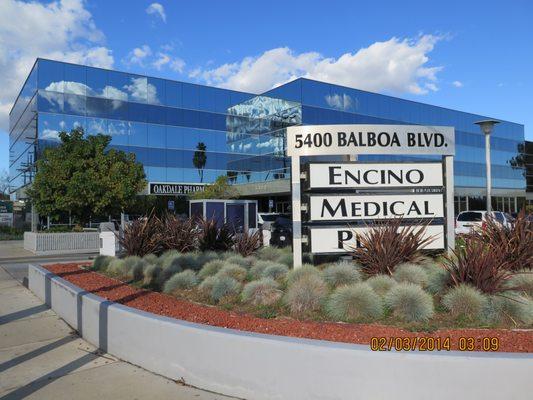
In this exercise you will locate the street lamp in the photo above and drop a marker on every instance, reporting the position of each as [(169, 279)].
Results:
[(487, 126)]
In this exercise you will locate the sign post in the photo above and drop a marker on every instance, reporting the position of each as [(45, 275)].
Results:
[(424, 180)]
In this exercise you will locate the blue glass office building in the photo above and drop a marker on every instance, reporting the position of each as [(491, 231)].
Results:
[(165, 122)]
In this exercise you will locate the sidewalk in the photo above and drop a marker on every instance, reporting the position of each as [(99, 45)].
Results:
[(41, 357), (13, 251)]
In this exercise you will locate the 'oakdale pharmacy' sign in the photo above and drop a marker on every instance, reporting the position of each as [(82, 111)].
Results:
[(344, 196)]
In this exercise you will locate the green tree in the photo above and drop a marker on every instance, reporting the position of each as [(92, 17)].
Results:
[(199, 159), (86, 178), (221, 189)]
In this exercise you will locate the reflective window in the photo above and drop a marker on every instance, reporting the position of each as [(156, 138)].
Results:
[(75, 79), (96, 82), (155, 91), (117, 84), (138, 135), (172, 94), (51, 75)]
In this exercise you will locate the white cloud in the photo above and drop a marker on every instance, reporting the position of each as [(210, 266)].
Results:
[(61, 30), (457, 84), (164, 59), (157, 9), (396, 65), (138, 55)]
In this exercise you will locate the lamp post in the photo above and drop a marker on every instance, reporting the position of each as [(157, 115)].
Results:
[(486, 127)]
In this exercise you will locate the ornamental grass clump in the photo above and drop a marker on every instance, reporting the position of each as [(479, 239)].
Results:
[(151, 259), (181, 281), (306, 295), (341, 273), (304, 270), (247, 244), (211, 268), (354, 302), (263, 292), (479, 265), (411, 273), (285, 258), (245, 262), (438, 278), (510, 306), (381, 283), (150, 274), (522, 281), (465, 302), (101, 263), (269, 253), (275, 271), (256, 271), (134, 266), (117, 268), (224, 286), (234, 271), (178, 233), (214, 238), (410, 302), (388, 244), (514, 241), (142, 237)]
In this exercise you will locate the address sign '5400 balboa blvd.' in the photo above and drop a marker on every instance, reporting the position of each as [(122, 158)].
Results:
[(341, 196)]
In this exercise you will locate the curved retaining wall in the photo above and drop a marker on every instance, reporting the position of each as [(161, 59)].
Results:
[(257, 366)]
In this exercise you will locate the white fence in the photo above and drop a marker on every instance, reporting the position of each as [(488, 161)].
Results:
[(61, 243)]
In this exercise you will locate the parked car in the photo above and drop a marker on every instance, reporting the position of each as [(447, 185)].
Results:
[(265, 220), (467, 221), (281, 232)]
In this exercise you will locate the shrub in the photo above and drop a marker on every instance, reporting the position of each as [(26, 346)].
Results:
[(381, 284), (483, 267), (210, 268), (224, 286), (151, 272), (211, 237), (247, 244), (263, 292), (522, 281), (438, 278), (409, 302), (207, 285), (269, 253), (193, 260), (182, 280), (205, 257), (306, 294), (245, 262), (135, 267), (256, 271), (516, 241), (275, 271), (101, 263), (353, 302), (142, 237), (512, 305), (304, 270), (412, 273), (151, 259), (178, 233), (118, 268), (341, 273), (234, 271), (388, 244), (286, 258), (465, 301), (166, 272)]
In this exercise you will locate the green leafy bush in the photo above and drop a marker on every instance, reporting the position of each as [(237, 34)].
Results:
[(275, 271), (234, 271), (101, 263), (341, 273), (465, 301), (354, 302), (182, 280), (410, 302), (381, 284), (304, 270), (263, 292), (411, 273), (306, 294), (211, 268)]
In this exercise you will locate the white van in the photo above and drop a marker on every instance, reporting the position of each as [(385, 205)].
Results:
[(467, 221)]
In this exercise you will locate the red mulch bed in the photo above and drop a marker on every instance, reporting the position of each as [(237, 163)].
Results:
[(158, 303)]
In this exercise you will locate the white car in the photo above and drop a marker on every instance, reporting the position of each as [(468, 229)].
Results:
[(467, 221)]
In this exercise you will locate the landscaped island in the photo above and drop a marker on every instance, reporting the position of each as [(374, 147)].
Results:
[(388, 289)]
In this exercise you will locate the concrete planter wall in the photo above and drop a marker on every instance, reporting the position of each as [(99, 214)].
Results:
[(61, 243), (256, 366)]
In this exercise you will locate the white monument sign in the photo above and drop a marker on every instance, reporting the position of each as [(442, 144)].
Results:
[(378, 178)]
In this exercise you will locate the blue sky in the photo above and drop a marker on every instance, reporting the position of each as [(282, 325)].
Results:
[(473, 56)]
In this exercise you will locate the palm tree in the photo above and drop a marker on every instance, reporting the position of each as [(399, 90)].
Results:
[(199, 159)]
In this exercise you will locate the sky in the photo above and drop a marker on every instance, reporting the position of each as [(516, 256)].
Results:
[(473, 56)]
